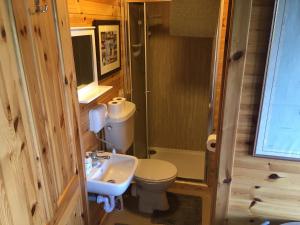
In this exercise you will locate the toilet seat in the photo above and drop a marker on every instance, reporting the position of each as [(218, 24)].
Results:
[(155, 170)]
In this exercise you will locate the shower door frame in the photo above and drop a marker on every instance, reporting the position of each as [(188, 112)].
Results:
[(127, 33), (208, 190), (213, 76), (146, 78)]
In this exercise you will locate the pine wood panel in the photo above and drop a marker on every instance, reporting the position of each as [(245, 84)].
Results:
[(63, 25), (40, 160), (235, 65), (149, 1), (94, 9), (19, 174), (254, 196), (178, 81), (49, 108), (220, 62), (82, 13)]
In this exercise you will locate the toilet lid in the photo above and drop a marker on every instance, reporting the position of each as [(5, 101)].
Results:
[(155, 170)]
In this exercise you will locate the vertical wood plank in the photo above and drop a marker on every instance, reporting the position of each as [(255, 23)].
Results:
[(234, 76), (70, 88)]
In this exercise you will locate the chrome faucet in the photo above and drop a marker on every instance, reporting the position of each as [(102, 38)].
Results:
[(94, 155)]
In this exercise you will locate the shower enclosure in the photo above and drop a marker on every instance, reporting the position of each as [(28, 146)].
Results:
[(171, 85)]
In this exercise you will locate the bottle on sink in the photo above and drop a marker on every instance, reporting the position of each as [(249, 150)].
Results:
[(88, 164)]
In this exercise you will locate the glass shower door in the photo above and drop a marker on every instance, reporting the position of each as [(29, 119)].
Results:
[(137, 67)]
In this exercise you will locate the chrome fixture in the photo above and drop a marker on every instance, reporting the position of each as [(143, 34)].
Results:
[(39, 8), (95, 155), (108, 143)]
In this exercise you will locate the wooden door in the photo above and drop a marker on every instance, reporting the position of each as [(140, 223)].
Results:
[(41, 173)]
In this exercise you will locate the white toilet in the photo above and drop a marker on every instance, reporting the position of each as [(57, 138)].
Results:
[(152, 176)]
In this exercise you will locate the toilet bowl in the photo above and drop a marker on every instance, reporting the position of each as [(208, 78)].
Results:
[(153, 177)]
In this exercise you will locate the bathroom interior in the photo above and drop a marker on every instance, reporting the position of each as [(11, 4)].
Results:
[(149, 112)]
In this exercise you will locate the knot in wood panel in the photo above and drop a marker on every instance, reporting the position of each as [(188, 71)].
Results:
[(274, 176), (16, 123), (3, 33), (227, 180), (66, 81), (8, 110), (237, 55), (33, 209), (253, 203)]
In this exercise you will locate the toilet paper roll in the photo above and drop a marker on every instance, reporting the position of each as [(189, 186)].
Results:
[(121, 99), (211, 142), (115, 108)]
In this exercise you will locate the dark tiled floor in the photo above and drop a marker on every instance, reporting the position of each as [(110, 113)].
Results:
[(184, 210)]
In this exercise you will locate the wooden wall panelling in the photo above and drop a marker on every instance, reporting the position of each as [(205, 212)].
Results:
[(82, 13), (231, 99), (127, 85), (149, 1), (254, 196)]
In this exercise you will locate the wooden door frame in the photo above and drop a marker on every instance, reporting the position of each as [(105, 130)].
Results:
[(208, 191), (234, 67), (67, 60)]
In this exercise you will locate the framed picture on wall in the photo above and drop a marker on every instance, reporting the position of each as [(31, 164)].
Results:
[(108, 47)]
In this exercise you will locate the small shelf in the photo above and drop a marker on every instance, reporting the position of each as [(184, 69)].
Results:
[(91, 94)]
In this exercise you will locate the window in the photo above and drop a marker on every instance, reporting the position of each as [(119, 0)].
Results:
[(278, 132)]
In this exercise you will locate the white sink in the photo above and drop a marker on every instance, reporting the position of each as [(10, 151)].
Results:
[(113, 175)]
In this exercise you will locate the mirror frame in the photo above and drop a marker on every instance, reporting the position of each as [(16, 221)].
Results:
[(82, 31)]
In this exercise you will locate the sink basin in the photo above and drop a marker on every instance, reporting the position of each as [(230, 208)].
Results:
[(112, 176)]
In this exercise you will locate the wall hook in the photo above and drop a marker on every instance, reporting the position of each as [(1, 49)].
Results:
[(39, 8)]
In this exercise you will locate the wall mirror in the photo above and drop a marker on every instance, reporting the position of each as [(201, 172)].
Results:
[(278, 131), (84, 52)]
